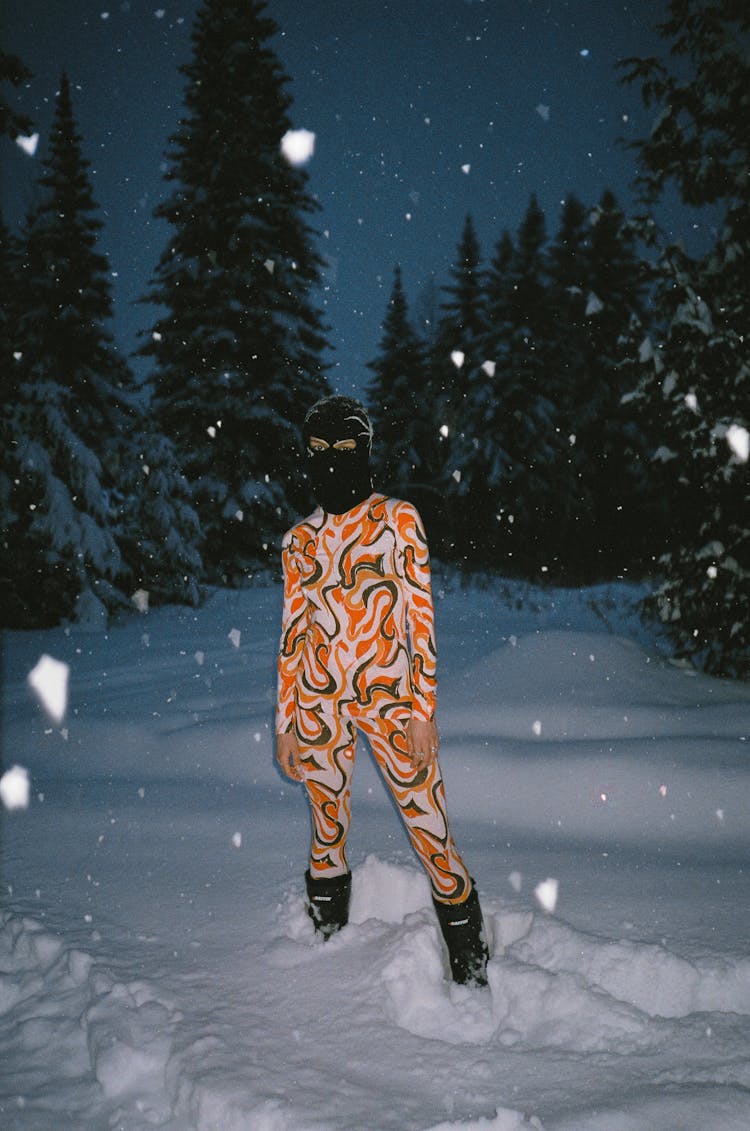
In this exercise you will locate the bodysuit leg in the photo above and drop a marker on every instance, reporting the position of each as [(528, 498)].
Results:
[(327, 744), (420, 799)]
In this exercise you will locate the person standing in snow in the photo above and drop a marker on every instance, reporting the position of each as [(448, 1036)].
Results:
[(357, 653)]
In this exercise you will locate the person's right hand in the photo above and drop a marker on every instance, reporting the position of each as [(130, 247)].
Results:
[(288, 755)]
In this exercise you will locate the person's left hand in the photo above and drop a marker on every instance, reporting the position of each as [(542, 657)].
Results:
[(422, 742)]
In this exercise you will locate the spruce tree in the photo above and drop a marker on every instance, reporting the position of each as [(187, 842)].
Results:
[(69, 401), (238, 350), (596, 287), (157, 526), (568, 296), (533, 386), (10, 440), (399, 402), (611, 443), (461, 324), (9, 312), (67, 294), (482, 450), (460, 329), (694, 377), (569, 300)]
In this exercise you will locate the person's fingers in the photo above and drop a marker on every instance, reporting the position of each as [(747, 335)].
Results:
[(289, 759)]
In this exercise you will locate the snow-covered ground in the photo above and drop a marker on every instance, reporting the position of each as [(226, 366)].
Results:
[(157, 968)]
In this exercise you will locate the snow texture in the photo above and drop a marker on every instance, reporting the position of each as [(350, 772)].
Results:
[(157, 965)]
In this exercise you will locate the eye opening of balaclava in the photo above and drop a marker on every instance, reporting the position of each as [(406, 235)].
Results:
[(338, 437)]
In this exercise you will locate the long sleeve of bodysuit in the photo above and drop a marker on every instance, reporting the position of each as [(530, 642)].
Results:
[(295, 618), (358, 632), (419, 614)]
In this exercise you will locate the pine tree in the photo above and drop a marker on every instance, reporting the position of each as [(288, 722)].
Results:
[(538, 490), (399, 402), (695, 378), (461, 323), (238, 351), (610, 443), (481, 449), (67, 295), (569, 297), (596, 284), (70, 401), (566, 265), (9, 284), (569, 300), (459, 332), (529, 311), (157, 527), (427, 314), (9, 405), (499, 289)]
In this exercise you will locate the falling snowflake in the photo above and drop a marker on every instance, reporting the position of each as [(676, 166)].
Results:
[(14, 788), (298, 146), (140, 600), (50, 681), (28, 143), (546, 894), (738, 439)]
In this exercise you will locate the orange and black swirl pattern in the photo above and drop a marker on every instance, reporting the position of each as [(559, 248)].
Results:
[(327, 746), (358, 632), (357, 653)]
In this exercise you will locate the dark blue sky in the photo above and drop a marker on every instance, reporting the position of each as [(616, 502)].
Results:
[(424, 110)]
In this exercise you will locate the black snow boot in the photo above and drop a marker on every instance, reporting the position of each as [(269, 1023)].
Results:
[(329, 902), (463, 931)]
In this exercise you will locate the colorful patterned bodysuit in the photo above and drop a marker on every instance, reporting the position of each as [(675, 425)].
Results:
[(357, 652)]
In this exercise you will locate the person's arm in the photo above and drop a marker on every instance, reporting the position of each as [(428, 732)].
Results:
[(294, 623), (420, 615), (421, 731)]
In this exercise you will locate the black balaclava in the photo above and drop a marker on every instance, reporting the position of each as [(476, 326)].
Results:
[(339, 473)]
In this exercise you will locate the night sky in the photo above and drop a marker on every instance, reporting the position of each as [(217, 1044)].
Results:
[(423, 110)]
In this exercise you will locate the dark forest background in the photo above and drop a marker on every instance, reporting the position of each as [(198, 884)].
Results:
[(569, 406)]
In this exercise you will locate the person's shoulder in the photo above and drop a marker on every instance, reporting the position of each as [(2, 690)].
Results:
[(400, 511), (303, 530)]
